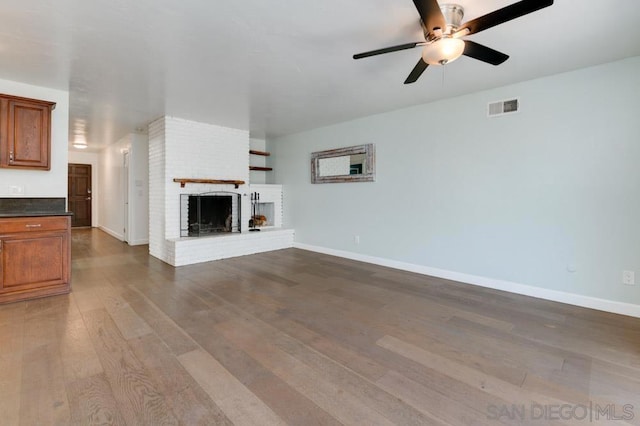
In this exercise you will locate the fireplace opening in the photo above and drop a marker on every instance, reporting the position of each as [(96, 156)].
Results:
[(209, 213)]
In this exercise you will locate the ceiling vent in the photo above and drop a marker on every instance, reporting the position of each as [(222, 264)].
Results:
[(499, 108)]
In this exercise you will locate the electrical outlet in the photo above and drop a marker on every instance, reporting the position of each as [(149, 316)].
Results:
[(356, 239), (628, 278), (16, 189)]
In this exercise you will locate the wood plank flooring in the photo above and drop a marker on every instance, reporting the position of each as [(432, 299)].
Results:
[(299, 338)]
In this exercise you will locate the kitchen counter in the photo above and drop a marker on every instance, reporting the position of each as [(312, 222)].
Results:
[(33, 207), (33, 214), (35, 248)]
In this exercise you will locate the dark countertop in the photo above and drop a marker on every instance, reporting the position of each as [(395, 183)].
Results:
[(33, 207), (33, 214)]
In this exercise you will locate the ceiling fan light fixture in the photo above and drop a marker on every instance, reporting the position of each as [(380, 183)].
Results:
[(443, 29), (443, 51)]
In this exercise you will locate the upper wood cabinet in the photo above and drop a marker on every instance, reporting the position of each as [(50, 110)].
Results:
[(25, 133)]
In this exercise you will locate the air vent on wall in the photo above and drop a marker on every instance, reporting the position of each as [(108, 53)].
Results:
[(496, 109)]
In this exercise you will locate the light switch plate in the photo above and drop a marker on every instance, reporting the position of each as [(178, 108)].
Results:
[(16, 189)]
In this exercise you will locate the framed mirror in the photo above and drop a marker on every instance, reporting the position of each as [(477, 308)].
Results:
[(351, 164)]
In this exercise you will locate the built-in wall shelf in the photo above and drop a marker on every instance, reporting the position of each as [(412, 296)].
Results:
[(184, 181), (259, 168)]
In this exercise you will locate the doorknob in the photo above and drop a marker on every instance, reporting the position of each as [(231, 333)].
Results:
[(88, 198)]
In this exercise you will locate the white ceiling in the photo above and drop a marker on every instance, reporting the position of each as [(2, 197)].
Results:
[(278, 66)]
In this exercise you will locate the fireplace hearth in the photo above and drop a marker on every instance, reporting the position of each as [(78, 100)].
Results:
[(209, 214)]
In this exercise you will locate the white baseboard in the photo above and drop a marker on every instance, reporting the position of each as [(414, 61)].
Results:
[(523, 289), (112, 233), (121, 237)]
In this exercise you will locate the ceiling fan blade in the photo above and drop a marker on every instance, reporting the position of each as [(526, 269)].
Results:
[(430, 14), (483, 53), (416, 72), (505, 14), (386, 50)]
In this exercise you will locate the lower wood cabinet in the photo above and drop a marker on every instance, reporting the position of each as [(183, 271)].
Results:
[(35, 257)]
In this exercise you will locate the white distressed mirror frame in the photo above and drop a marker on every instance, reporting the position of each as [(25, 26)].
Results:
[(369, 169)]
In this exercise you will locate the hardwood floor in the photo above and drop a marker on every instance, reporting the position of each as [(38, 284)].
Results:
[(294, 337)]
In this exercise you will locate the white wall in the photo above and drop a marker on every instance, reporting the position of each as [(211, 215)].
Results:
[(111, 187), (517, 199), (139, 190), (158, 246), (78, 157), (39, 183), (111, 178)]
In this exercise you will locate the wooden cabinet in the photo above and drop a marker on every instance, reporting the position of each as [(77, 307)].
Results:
[(25, 133), (35, 257)]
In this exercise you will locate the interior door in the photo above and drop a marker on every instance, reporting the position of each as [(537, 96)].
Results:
[(80, 194)]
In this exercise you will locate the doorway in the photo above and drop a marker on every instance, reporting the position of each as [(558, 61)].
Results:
[(79, 188), (125, 192)]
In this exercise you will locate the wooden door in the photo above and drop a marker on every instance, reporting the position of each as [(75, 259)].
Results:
[(80, 194)]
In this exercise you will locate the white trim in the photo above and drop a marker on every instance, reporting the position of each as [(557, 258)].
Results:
[(112, 233), (523, 289), (121, 237)]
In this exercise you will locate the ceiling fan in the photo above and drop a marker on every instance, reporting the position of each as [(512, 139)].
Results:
[(443, 31)]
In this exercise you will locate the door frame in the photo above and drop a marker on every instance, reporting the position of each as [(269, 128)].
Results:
[(126, 158)]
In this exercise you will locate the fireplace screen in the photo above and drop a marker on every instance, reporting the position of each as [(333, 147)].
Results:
[(263, 214), (209, 213)]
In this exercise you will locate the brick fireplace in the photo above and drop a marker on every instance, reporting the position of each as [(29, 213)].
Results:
[(185, 149)]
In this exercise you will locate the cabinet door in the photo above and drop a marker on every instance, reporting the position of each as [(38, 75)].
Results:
[(34, 260), (27, 138)]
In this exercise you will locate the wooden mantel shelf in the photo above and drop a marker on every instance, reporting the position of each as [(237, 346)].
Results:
[(184, 181)]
